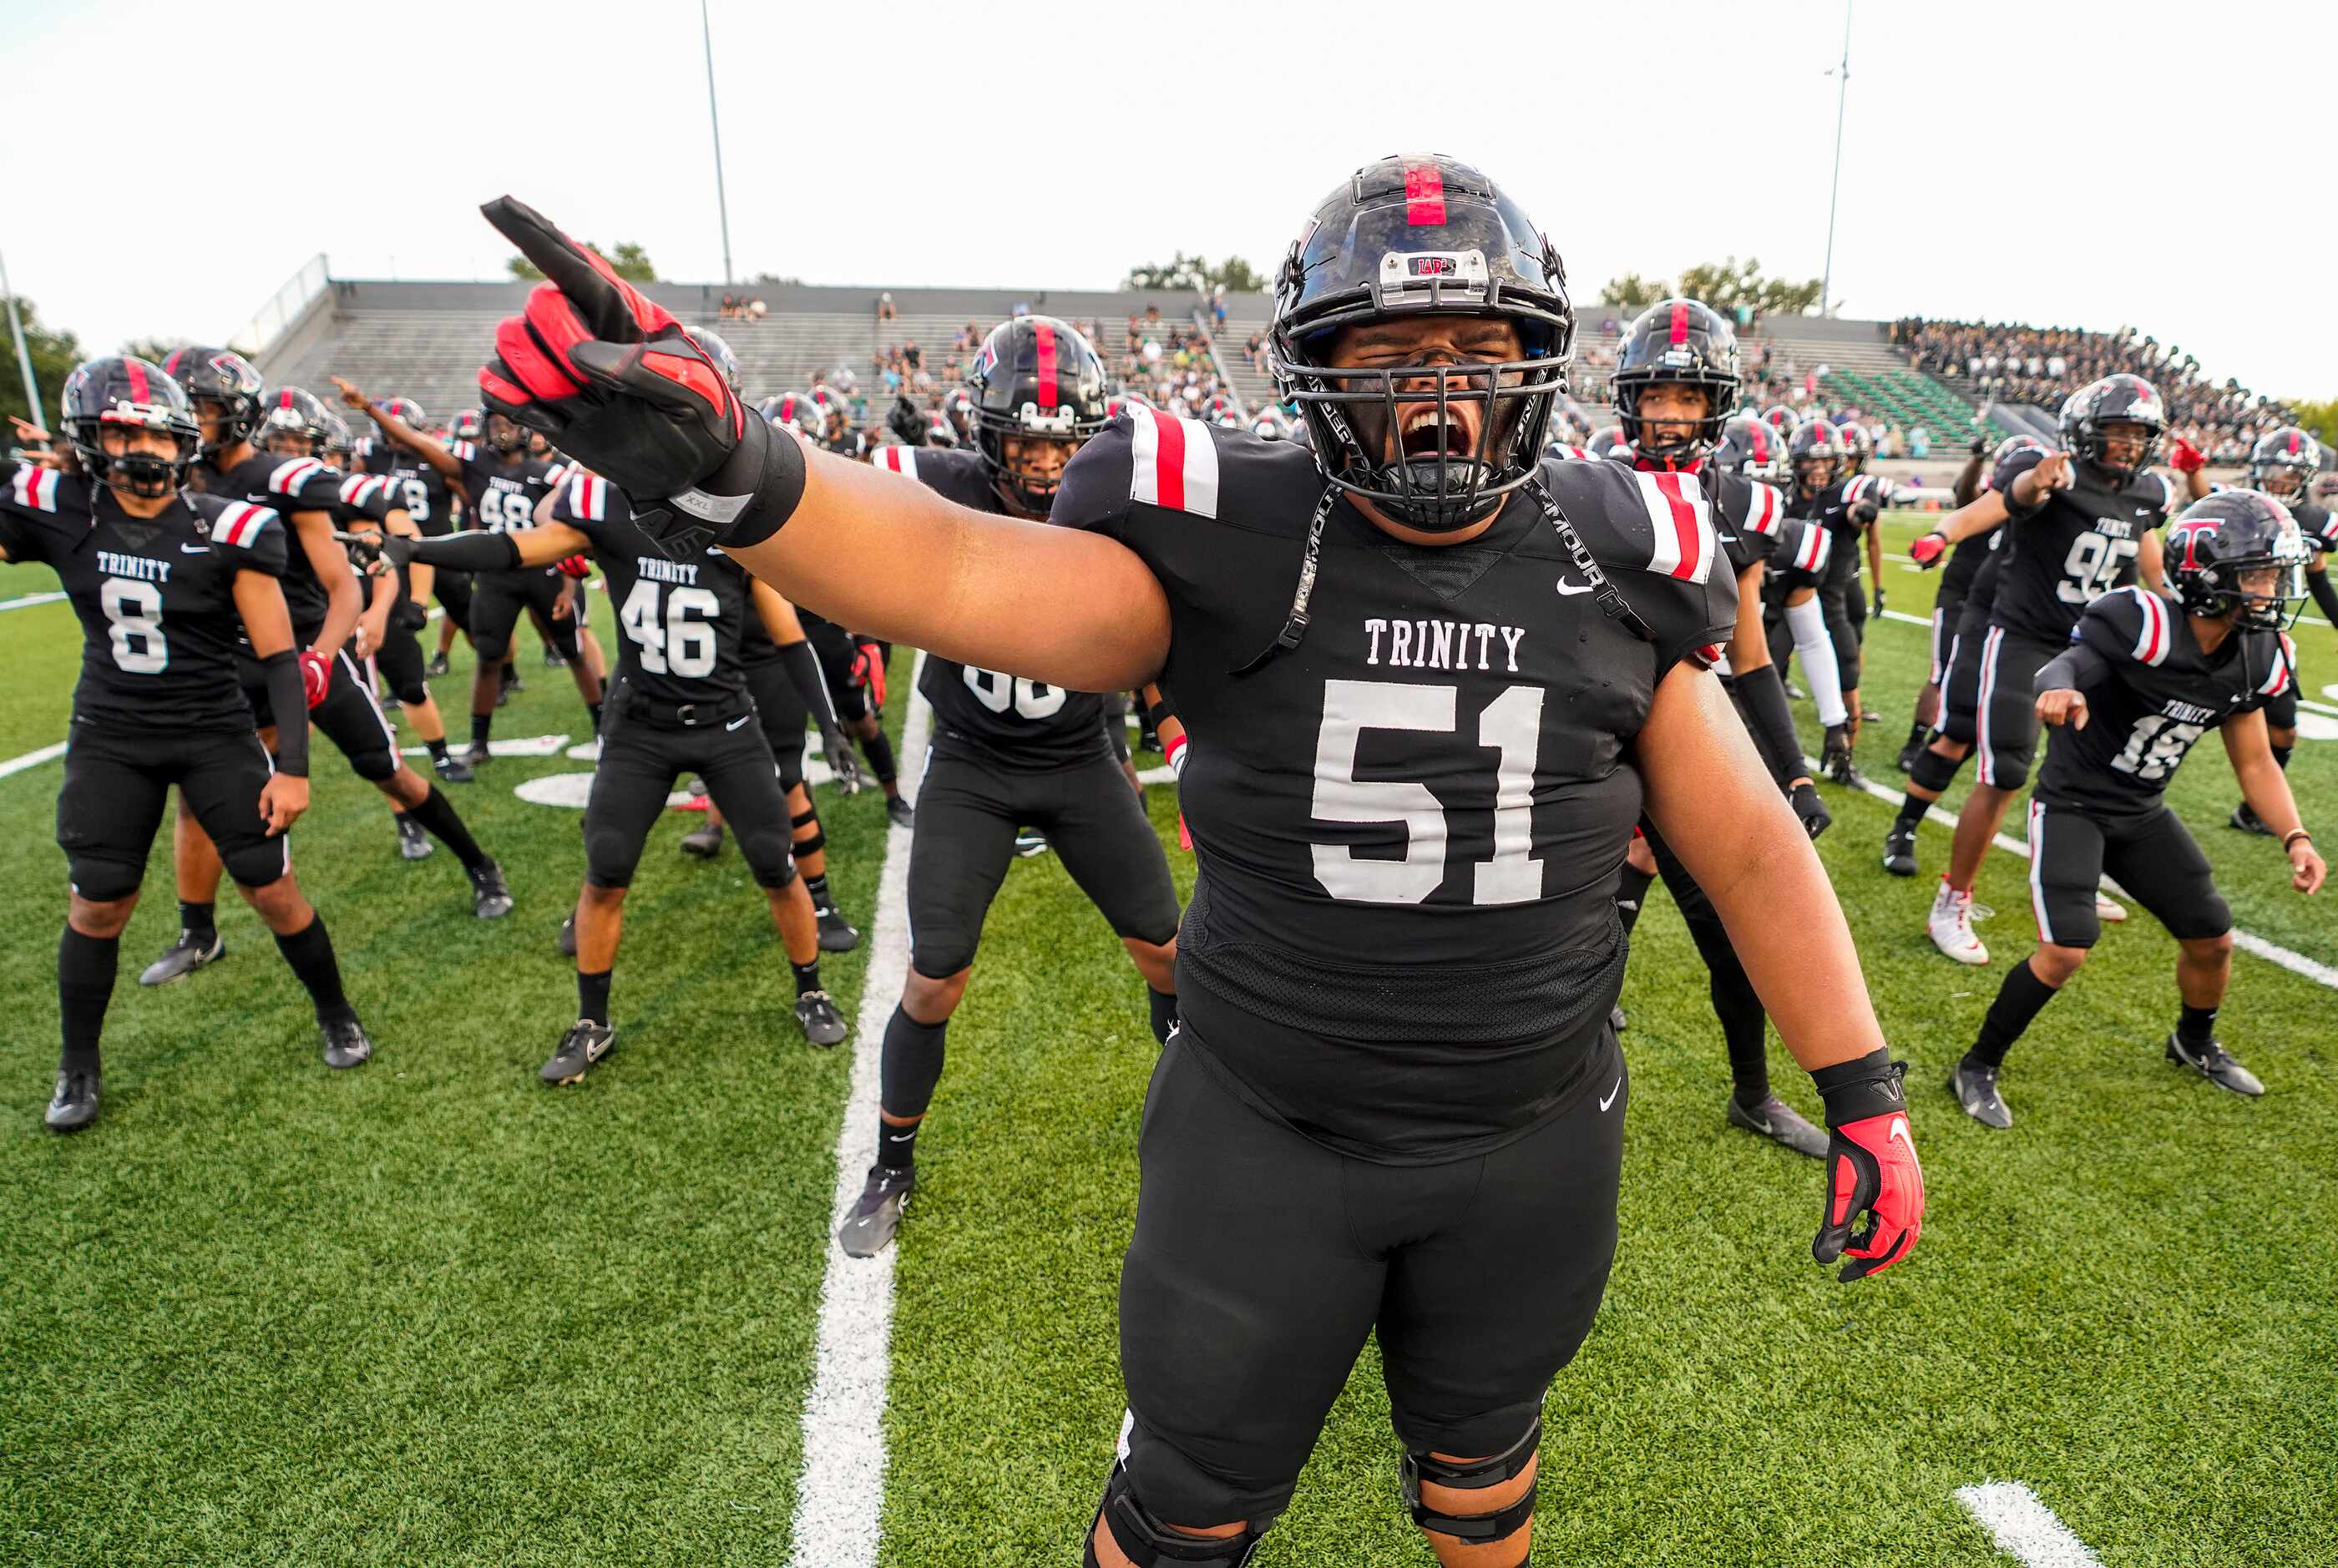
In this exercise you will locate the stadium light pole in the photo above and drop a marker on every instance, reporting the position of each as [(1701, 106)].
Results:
[(1835, 187), (721, 203), (24, 355)]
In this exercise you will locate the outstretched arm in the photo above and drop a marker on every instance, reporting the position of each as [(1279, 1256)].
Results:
[(399, 433)]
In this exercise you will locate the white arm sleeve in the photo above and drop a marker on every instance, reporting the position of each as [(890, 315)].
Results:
[(1815, 648)]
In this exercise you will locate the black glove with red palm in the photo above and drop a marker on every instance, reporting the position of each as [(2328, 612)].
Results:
[(1871, 1167), (617, 383)]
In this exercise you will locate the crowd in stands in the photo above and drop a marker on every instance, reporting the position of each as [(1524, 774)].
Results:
[(2012, 363)]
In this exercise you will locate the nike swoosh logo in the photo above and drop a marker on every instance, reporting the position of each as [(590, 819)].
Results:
[(898, 1137), (1567, 590), (1726, 538), (194, 549), (739, 720), (596, 1050), (1610, 1100)]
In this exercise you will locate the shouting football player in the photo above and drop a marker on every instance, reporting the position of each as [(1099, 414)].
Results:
[(2141, 681), (1431, 684), (1008, 751), (174, 590)]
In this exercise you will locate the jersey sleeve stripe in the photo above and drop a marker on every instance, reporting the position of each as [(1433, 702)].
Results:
[(1812, 554), (1174, 463), (2277, 680), (36, 489), (288, 478), (901, 460), (1762, 517), (241, 524), (2151, 641), (1681, 525)]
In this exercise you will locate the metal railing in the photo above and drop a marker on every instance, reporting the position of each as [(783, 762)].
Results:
[(283, 308)]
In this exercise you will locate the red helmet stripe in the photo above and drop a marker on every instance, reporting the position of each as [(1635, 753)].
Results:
[(1047, 344), (1424, 195), (2292, 443), (1680, 322), (138, 393)]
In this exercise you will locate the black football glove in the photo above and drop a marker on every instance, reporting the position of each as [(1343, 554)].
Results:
[(1878, 598), (904, 420), (408, 616), (1815, 818), (1928, 549), (611, 379), (1871, 1167)]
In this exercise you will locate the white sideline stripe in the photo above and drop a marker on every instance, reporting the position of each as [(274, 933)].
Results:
[(2024, 1527), (840, 1501), (29, 599), (2272, 952), (31, 759)]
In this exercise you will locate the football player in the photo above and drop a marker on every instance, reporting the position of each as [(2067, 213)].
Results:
[(174, 590), (2283, 465), (2080, 523), (854, 667), (1949, 600), (1675, 384), (322, 593), (680, 706), (501, 483), (2143, 679), (1007, 750), (1846, 506), (1431, 683)]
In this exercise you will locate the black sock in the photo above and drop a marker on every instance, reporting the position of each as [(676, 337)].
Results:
[(437, 748), (199, 920), (1912, 808), (310, 951), (880, 750), (817, 886), (1165, 1012), (2281, 757), (2017, 1002), (85, 967), (595, 710), (897, 1147), (2197, 1028), (1744, 1034), (1630, 894), (807, 976), (1916, 732), (439, 820), (481, 723), (912, 1064), (593, 996)]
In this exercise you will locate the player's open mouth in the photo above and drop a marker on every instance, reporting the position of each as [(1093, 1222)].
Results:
[(1424, 434)]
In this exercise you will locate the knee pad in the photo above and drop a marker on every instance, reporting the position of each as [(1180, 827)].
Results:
[(258, 865), (563, 636), (1933, 771), (1476, 1529), (104, 881), (813, 844), (491, 647), (1149, 1544), (609, 860), (767, 855), (377, 766), (414, 693)]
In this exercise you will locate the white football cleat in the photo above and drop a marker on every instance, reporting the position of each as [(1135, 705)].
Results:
[(2108, 910), (1951, 926)]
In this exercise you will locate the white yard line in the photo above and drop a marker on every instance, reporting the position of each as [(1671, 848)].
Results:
[(841, 1500), (31, 759), (29, 599), (2024, 1528)]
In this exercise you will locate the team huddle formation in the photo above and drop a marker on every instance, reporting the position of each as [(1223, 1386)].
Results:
[(1444, 691)]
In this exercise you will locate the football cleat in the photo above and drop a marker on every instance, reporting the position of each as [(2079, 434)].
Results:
[(903, 814), (552, 659), (453, 769), (1870, 716), (2247, 821), (1899, 850), (705, 840), (583, 1046), (1951, 926), (2108, 910), (1906, 760), (183, 958), (1795, 691), (491, 897), (1976, 1090), (1029, 841), (877, 1214), (413, 843), (346, 1045), (837, 935), (822, 1024), (436, 667), (1617, 1019), (1780, 1123), (568, 935), (2215, 1064), (74, 1106), (477, 756)]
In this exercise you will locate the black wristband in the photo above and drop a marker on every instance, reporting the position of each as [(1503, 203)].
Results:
[(1155, 712), (288, 707), (1868, 1086), (472, 550), (749, 497)]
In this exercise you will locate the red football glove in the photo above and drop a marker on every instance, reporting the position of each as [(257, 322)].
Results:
[(868, 668), (2184, 458), (1928, 549), (573, 566), (611, 379), (1871, 1169), (316, 675)]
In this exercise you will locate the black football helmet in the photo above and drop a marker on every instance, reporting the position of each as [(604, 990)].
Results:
[(2282, 463), (295, 414), (1815, 452), (122, 391), (958, 407), (797, 411), (407, 411), (470, 425), (1684, 342), (2222, 536), (1858, 447), (711, 344), (1752, 447), (1781, 419), (1399, 239), (2112, 400), (939, 431), (501, 434), (223, 376), (1608, 441), (1034, 378), (338, 445)]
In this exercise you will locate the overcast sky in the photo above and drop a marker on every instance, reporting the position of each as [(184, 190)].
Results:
[(2002, 160)]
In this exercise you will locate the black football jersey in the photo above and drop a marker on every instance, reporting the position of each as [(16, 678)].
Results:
[(1830, 509), (1746, 514), (423, 491), (504, 495), (1006, 720), (680, 620), (1965, 561), (2077, 546), (156, 596), (2320, 528), (284, 485), (1403, 939), (2161, 696)]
